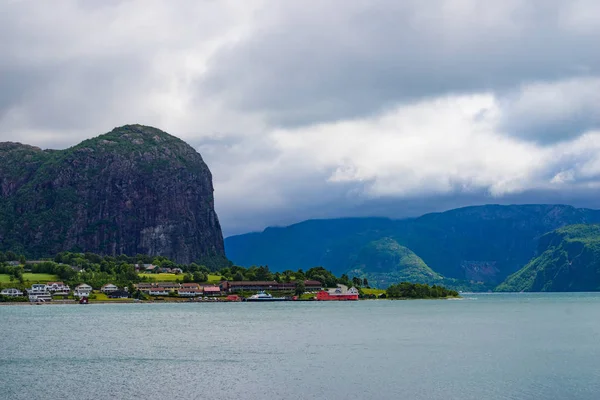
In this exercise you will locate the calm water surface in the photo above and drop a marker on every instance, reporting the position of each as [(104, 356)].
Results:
[(487, 346)]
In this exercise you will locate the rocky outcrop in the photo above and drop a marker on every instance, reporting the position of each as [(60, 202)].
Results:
[(134, 190)]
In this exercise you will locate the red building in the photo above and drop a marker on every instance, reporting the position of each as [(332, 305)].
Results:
[(338, 294)]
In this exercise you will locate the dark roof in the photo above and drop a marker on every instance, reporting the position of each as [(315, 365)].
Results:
[(312, 283)]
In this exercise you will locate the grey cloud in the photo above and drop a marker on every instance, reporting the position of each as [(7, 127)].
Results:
[(551, 112), (329, 61), (74, 69)]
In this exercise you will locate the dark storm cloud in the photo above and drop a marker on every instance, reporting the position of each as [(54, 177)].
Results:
[(323, 62)]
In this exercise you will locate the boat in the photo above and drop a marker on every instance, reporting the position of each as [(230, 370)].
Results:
[(340, 293), (263, 296), (83, 300)]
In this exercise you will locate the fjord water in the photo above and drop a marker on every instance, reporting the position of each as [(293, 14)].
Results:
[(486, 346)]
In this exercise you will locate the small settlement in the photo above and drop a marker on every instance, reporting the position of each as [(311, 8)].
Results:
[(225, 291)]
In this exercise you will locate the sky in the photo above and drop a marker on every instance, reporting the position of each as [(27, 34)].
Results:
[(324, 108)]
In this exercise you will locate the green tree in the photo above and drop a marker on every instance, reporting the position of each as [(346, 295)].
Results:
[(188, 278), (238, 276), (365, 283), (200, 277), (300, 288)]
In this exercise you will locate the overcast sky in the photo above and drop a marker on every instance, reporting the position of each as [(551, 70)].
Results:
[(325, 108)]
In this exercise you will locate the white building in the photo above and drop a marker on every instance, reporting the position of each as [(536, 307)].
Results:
[(82, 290), (11, 292), (58, 288), (190, 292), (39, 293), (158, 292), (109, 288)]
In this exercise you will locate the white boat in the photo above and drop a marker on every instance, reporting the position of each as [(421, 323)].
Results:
[(263, 296)]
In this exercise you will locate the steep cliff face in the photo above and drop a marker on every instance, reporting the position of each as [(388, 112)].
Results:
[(133, 190)]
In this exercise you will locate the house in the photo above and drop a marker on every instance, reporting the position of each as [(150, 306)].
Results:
[(312, 285), (39, 293), (11, 292), (341, 292), (156, 291), (212, 290), (58, 288), (144, 287), (13, 263), (177, 271), (108, 288), (189, 286), (38, 288), (149, 267), (82, 290), (118, 294), (170, 286), (190, 292)]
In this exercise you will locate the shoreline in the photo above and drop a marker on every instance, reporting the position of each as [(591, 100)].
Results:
[(60, 303)]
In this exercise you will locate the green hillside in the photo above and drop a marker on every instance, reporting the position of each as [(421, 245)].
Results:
[(384, 262), (569, 260)]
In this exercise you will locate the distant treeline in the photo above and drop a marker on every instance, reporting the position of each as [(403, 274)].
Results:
[(406, 290)]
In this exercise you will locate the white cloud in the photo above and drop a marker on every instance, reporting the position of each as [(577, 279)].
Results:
[(314, 109)]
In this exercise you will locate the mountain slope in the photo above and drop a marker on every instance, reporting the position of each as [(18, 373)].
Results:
[(479, 243), (569, 260), (133, 190), (384, 262)]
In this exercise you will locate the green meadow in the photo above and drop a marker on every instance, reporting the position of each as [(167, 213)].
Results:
[(166, 277), (31, 277)]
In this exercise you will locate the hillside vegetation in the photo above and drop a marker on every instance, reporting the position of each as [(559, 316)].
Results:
[(569, 260), (472, 244), (384, 262)]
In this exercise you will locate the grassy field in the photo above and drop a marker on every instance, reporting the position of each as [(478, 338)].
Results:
[(29, 277), (164, 277), (103, 297), (376, 292)]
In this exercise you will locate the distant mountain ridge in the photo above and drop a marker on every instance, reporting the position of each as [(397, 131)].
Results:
[(478, 243), (133, 190)]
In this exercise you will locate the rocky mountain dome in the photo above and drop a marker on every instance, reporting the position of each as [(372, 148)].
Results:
[(134, 190)]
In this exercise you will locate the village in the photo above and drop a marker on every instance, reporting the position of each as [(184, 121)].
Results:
[(59, 292)]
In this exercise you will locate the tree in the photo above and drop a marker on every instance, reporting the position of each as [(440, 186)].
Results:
[(263, 274), (17, 273), (10, 256), (200, 277), (365, 283), (300, 288), (238, 276), (356, 281), (188, 278)]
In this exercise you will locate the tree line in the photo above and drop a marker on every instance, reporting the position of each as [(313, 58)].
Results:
[(406, 290)]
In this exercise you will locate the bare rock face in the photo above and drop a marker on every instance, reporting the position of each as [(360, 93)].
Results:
[(134, 190)]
